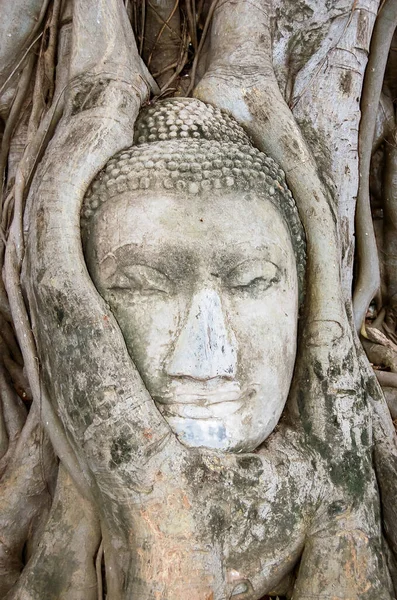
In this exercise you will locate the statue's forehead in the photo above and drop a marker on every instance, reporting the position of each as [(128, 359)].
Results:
[(158, 220)]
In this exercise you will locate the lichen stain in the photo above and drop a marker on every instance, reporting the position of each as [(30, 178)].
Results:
[(256, 105), (121, 452), (355, 546), (346, 81), (168, 555), (363, 30)]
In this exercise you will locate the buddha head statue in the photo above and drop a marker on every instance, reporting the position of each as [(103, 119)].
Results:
[(193, 239)]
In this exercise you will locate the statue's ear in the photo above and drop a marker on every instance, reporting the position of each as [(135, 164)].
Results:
[(109, 267)]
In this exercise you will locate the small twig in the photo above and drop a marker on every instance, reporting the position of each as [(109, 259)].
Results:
[(171, 29), (181, 62), (199, 49), (167, 68), (15, 69), (6, 213), (54, 115), (191, 16), (38, 102), (166, 86), (98, 569), (50, 52), (160, 33), (143, 22)]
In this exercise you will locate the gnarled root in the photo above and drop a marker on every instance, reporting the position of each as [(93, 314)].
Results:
[(240, 79), (24, 497), (63, 562), (368, 277)]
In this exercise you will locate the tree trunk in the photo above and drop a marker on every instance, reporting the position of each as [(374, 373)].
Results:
[(181, 106)]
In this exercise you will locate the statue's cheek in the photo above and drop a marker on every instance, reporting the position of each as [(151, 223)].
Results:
[(266, 330), (149, 324)]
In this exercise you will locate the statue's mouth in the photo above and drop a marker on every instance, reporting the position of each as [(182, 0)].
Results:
[(203, 400)]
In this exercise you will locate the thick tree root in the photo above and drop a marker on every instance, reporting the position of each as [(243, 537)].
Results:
[(368, 277), (245, 85), (24, 497), (100, 400), (63, 563)]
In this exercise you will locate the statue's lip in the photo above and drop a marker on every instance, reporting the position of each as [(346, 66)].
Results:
[(209, 405), (201, 393), (217, 410)]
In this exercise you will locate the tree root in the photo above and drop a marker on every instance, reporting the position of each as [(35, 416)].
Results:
[(25, 168), (368, 277), (386, 378), (14, 414), (63, 563), (3, 428), (390, 235), (36, 143), (23, 498), (101, 118), (384, 449), (51, 50), (98, 570), (28, 349), (53, 205), (22, 89), (390, 394), (15, 19)]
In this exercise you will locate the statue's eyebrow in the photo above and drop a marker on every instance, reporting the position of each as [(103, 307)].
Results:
[(175, 262), (226, 260), (179, 262)]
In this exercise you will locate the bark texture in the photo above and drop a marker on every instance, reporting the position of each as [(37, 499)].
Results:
[(93, 479)]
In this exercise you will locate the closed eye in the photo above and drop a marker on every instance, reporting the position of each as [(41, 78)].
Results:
[(253, 275), (140, 278)]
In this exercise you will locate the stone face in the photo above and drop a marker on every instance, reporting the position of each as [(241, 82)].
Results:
[(204, 288), (202, 279), (219, 155)]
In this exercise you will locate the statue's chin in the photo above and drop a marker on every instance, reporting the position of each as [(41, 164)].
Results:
[(227, 433), (229, 420)]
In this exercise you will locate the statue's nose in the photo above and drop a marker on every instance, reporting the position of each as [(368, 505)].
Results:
[(205, 349)]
